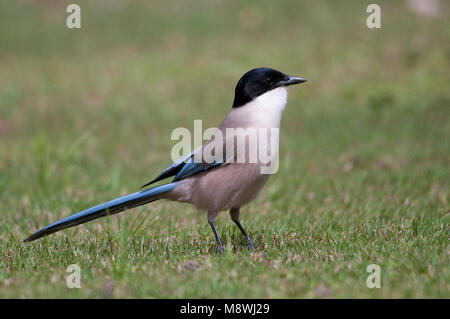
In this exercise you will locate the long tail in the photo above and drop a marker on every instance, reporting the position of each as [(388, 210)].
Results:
[(109, 208)]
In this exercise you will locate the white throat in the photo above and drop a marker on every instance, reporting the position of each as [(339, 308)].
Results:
[(266, 109), (273, 100)]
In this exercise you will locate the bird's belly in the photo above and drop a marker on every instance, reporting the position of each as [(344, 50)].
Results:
[(230, 186)]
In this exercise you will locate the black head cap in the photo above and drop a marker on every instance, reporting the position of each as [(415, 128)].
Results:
[(258, 81)]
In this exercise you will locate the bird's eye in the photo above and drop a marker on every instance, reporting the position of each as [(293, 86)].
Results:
[(268, 79)]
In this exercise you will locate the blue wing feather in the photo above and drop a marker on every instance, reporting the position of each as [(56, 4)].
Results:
[(184, 168), (192, 168), (172, 170)]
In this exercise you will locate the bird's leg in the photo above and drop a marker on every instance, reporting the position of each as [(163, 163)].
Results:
[(212, 222), (234, 213)]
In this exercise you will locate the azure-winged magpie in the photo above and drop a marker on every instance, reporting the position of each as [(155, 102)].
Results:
[(213, 186)]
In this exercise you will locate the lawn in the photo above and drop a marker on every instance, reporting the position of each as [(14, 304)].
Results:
[(86, 115)]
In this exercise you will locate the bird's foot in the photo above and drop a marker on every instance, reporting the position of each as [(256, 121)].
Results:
[(251, 245), (220, 250)]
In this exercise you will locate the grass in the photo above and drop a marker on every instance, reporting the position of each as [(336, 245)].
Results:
[(86, 115)]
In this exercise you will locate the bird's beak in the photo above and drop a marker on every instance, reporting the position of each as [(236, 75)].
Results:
[(291, 80)]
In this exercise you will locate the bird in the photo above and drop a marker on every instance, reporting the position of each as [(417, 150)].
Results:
[(223, 182)]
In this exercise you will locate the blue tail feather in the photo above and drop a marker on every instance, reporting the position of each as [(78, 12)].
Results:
[(109, 208)]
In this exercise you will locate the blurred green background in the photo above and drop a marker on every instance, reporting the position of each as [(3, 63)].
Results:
[(86, 115)]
